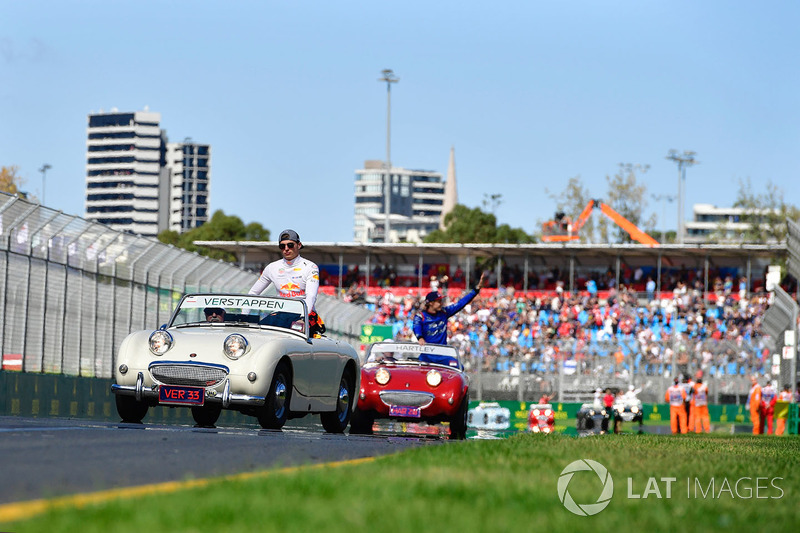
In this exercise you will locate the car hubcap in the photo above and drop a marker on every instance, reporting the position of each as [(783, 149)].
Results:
[(280, 397), (344, 400)]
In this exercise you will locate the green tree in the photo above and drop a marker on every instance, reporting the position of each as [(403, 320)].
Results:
[(220, 227), (464, 224), (766, 213)]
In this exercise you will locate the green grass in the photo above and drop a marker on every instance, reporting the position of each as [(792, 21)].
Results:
[(492, 485)]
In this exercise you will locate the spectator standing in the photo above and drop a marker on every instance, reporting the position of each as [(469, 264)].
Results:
[(688, 402)]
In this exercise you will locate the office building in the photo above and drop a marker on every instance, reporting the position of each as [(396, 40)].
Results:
[(416, 203), (190, 173), (712, 224), (138, 182)]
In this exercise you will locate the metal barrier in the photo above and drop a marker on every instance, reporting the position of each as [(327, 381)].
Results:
[(71, 290)]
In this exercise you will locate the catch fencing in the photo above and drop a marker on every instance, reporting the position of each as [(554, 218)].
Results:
[(71, 290), (570, 371)]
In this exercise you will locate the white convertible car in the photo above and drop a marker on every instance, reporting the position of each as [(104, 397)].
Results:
[(252, 354)]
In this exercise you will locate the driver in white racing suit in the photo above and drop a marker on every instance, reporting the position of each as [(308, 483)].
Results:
[(293, 277)]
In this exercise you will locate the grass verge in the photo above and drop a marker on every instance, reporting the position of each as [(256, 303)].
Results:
[(492, 485)]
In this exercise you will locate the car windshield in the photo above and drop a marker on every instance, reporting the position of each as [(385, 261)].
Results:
[(394, 352), (240, 310)]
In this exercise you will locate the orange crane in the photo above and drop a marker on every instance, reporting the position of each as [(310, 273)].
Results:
[(563, 229)]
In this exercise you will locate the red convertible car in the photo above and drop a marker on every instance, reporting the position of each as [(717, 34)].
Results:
[(412, 383), (541, 418)]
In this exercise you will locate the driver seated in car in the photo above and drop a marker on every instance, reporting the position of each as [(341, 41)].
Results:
[(214, 315)]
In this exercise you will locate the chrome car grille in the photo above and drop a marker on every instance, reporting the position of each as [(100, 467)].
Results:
[(407, 398), (189, 375)]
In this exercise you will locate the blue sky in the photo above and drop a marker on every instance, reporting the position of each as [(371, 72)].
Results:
[(529, 93)]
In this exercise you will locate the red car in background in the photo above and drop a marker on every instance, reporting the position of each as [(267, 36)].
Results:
[(541, 418), (412, 383)]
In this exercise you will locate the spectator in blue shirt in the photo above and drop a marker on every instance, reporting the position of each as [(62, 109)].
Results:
[(430, 325)]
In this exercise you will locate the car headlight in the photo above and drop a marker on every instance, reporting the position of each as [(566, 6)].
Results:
[(234, 346), (546, 429), (433, 377), (535, 412), (634, 409), (591, 413), (536, 429), (382, 376), (548, 412), (603, 412), (160, 342)]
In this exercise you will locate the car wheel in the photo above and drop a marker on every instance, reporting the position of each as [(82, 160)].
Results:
[(361, 423), (336, 421), (207, 415), (130, 410), (276, 408), (458, 423)]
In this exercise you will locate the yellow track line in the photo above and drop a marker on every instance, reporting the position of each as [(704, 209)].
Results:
[(23, 510)]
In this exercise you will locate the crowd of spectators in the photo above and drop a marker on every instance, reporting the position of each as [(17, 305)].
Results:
[(623, 331)]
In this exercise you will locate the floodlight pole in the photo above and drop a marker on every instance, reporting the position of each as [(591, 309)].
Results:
[(685, 160), (389, 78), (44, 170)]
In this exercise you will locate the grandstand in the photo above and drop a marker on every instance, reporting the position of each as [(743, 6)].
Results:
[(567, 318)]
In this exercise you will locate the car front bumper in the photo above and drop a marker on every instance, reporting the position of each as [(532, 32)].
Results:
[(226, 398)]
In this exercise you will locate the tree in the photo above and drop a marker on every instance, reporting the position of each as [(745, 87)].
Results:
[(463, 224), (10, 181), (765, 213), (572, 201), (221, 227), (628, 197)]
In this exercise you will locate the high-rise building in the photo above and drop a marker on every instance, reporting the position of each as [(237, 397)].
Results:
[(190, 174), (137, 182), (125, 154), (416, 201)]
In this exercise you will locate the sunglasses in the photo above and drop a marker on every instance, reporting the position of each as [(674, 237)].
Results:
[(289, 245)]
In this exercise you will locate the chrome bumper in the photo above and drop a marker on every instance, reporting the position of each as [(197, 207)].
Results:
[(226, 398)]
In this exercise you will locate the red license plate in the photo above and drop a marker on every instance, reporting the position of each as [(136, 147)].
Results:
[(173, 395), (404, 410)]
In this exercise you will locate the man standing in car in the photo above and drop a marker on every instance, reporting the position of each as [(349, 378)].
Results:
[(293, 276), (430, 324)]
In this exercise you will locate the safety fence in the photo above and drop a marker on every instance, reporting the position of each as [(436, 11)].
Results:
[(572, 370), (71, 289)]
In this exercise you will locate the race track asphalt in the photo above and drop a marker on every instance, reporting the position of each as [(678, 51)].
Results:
[(51, 457)]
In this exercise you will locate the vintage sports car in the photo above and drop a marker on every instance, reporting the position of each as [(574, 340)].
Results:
[(414, 383), (251, 354), (627, 410), (489, 415), (541, 418), (592, 418)]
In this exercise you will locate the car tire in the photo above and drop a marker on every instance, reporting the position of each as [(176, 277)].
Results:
[(130, 410), (207, 415), (275, 412), (361, 422), (458, 423), (337, 421)]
